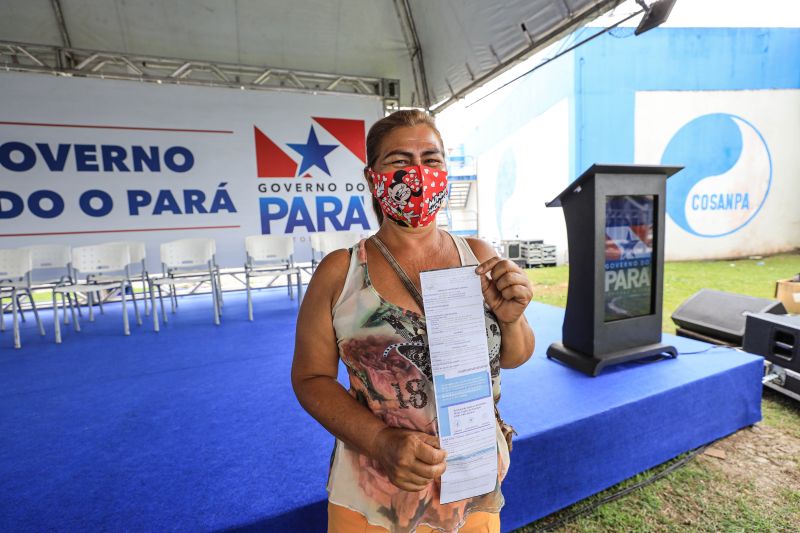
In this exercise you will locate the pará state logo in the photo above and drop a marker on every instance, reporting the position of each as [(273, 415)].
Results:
[(727, 175), (275, 161)]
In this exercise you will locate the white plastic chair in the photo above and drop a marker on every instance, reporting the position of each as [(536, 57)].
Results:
[(53, 261), (52, 264), (102, 266), (324, 243), (270, 256), (15, 277), (186, 261), (182, 272), (138, 253)]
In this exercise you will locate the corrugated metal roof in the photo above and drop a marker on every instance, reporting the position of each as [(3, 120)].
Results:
[(462, 42)]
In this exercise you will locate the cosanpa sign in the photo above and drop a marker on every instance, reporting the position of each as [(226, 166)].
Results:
[(727, 174), (737, 194)]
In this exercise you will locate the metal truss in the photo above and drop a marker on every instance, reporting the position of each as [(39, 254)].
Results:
[(64, 61)]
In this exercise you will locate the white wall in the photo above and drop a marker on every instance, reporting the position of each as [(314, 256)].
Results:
[(519, 174), (766, 171)]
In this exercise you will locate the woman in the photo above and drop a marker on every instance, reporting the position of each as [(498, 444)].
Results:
[(386, 467)]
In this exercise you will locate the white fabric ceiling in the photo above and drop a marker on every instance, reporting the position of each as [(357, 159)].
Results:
[(463, 42)]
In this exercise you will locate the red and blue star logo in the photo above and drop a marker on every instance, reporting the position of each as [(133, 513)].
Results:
[(273, 162)]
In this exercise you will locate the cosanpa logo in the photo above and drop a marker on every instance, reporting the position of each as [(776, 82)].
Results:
[(727, 176)]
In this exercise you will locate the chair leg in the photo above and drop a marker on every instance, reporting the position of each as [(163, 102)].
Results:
[(249, 299), (215, 300), (217, 309), (100, 302), (90, 296), (145, 291), (14, 305), (125, 326), (173, 298), (76, 318), (35, 312), (56, 324), (2, 315), (135, 305), (64, 303), (19, 308), (219, 292), (299, 287), (153, 308), (161, 301)]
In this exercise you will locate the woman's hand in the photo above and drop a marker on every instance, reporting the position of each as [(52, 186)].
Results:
[(410, 459), (506, 289)]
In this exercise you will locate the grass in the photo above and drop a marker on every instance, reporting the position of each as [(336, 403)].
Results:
[(781, 412), (695, 497), (705, 494), (755, 277), (44, 298)]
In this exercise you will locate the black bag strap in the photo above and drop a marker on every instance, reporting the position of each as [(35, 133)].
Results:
[(412, 289)]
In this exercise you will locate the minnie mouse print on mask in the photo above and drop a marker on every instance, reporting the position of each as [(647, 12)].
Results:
[(410, 196)]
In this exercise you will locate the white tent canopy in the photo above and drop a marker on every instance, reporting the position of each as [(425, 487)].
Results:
[(437, 50)]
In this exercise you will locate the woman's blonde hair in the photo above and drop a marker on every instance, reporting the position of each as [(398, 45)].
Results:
[(399, 119)]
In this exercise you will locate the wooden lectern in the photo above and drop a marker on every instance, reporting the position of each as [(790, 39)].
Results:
[(615, 231)]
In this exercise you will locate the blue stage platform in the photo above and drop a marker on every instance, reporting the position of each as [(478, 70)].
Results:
[(196, 428)]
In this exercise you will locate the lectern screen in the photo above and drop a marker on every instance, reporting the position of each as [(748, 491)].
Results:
[(629, 256)]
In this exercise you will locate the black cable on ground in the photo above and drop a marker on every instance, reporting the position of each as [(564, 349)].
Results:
[(622, 492), (656, 358), (704, 350)]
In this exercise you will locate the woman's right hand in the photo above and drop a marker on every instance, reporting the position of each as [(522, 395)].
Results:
[(410, 459)]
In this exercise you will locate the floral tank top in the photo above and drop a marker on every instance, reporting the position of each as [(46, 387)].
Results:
[(385, 350)]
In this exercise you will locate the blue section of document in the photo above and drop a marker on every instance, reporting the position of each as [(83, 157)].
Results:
[(469, 457), (461, 389), (458, 390), (444, 422)]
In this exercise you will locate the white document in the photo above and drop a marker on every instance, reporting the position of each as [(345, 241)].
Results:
[(461, 380)]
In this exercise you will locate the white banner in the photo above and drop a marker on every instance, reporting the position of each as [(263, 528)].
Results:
[(86, 161)]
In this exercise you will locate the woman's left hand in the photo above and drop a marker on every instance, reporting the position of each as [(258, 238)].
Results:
[(506, 289)]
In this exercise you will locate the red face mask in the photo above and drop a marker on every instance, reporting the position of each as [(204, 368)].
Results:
[(410, 196)]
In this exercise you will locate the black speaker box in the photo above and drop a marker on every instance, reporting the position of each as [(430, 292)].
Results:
[(721, 315), (776, 337)]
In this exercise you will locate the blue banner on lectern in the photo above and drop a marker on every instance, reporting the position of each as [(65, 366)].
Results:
[(629, 257)]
